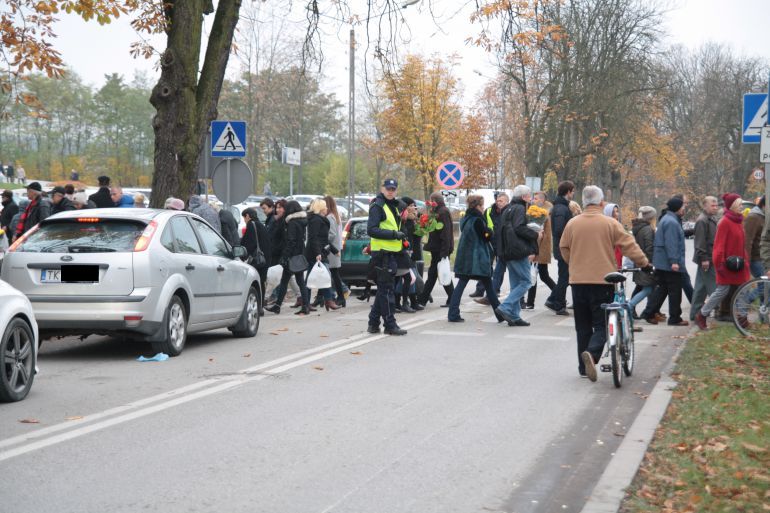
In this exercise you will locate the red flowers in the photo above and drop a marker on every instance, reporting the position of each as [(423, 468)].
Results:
[(424, 220)]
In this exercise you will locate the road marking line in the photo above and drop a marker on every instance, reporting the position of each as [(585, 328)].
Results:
[(452, 333), (225, 383)]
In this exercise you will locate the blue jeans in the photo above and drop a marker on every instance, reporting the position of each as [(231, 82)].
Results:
[(646, 291), (457, 294), (519, 280)]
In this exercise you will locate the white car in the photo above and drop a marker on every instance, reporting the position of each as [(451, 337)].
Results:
[(18, 345), (151, 274)]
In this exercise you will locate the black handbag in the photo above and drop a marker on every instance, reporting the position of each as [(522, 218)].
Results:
[(298, 263), (735, 263), (256, 259)]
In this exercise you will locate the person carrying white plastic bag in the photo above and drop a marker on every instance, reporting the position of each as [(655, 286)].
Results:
[(274, 276), (319, 277)]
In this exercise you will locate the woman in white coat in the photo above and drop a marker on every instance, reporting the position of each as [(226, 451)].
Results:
[(335, 240)]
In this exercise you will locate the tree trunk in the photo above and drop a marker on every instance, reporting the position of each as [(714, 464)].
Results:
[(184, 103)]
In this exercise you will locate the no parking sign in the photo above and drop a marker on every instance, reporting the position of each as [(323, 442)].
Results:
[(450, 175)]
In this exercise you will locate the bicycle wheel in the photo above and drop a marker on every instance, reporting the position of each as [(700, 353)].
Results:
[(751, 308), (613, 337), (628, 353)]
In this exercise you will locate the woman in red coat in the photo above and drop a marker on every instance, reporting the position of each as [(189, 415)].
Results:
[(729, 242)]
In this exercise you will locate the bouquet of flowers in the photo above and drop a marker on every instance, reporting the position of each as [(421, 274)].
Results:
[(427, 222), (536, 218)]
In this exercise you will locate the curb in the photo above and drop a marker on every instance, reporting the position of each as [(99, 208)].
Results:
[(609, 492)]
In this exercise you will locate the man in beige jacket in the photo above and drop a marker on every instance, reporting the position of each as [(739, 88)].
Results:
[(588, 246)]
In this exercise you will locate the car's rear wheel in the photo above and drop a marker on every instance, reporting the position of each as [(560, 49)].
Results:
[(17, 361), (175, 326), (248, 322)]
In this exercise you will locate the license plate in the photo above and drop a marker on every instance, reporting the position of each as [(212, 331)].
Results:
[(50, 276)]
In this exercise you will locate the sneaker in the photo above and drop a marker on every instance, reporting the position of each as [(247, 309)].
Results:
[(394, 331), (588, 361), (700, 320), (405, 308), (482, 301), (529, 307), (518, 322), (563, 312), (373, 329)]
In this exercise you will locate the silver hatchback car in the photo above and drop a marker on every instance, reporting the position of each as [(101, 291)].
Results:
[(151, 274)]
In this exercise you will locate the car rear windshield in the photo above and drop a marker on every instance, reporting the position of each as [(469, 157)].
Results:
[(92, 236)]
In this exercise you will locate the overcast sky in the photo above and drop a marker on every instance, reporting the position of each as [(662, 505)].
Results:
[(93, 51)]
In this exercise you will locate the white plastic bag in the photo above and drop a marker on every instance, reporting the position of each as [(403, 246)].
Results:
[(444, 272), (319, 277), (533, 274), (274, 276)]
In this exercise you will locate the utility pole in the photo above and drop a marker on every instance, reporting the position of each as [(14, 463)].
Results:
[(352, 123), (767, 168)]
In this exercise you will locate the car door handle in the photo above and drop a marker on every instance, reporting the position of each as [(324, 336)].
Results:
[(220, 268), (190, 267)]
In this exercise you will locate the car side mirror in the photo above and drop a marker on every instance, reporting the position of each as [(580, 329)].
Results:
[(240, 252)]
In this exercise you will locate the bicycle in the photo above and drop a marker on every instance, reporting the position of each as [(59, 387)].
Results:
[(619, 320), (751, 308)]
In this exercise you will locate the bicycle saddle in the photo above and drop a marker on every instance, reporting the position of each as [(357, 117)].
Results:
[(614, 278)]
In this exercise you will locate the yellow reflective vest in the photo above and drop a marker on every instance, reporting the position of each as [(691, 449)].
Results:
[(389, 223)]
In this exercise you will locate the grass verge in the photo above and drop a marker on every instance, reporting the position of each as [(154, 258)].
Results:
[(10, 186), (711, 451)]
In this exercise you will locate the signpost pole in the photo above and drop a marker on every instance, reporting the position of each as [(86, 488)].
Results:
[(767, 169), (291, 180), (228, 185)]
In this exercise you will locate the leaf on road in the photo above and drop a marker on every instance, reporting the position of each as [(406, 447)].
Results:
[(211, 359), (282, 329), (74, 417), (29, 421), (357, 353), (274, 333), (247, 355), (318, 368), (324, 336)]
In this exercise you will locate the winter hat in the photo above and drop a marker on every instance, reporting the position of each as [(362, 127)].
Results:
[(407, 200), (8, 194), (35, 186), (174, 204), (647, 213), (675, 204), (729, 199), (80, 197)]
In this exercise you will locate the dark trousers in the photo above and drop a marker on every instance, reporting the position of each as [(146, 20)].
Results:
[(498, 274), (435, 258), (669, 284), (285, 277), (384, 301), (558, 297), (542, 271), (337, 282), (590, 323), (457, 294)]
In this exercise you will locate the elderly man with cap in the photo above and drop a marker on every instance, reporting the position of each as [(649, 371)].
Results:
[(39, 208), (101, 198), (668, 259), (10, 209), (60, 201), (387, 249)]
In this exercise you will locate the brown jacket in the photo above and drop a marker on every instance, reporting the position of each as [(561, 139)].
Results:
[(546, 245), (753, 226), (588, 246)]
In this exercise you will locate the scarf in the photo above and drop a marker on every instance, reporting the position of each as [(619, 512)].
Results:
[(734, 216), (23, 217)]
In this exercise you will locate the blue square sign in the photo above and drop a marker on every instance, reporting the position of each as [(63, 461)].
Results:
[(754, 116), (228, 138)]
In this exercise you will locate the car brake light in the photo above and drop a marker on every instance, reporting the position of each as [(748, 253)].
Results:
[(143, 242), (132, 321), (22, 239), (88, 220)]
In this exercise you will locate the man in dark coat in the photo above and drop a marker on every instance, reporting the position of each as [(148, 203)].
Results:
[(39, 208), (440, 244), (230, 228), (560, 216), (10, 209), (101, 198), (60, 201), (706, 276), (492, 216)]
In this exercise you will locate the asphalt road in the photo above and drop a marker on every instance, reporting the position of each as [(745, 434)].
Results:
[(314, 415)]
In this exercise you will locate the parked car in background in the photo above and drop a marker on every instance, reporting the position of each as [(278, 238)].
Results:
[(151, 274), (303, 199), (689, 229), (18, 345), (355, 263), (359, 208)]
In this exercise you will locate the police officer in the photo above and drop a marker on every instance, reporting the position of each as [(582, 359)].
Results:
[(384, 229)]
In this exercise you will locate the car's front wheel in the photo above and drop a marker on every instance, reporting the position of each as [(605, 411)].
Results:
[(17, 361), (175, 326)]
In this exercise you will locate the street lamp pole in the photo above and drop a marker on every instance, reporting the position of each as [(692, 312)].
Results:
[(352, 123)]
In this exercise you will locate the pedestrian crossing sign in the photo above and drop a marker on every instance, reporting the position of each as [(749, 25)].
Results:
[(754, 117), (228, 138)]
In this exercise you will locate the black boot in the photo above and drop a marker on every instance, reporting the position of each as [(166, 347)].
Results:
[(341, 302), (416, 306)]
